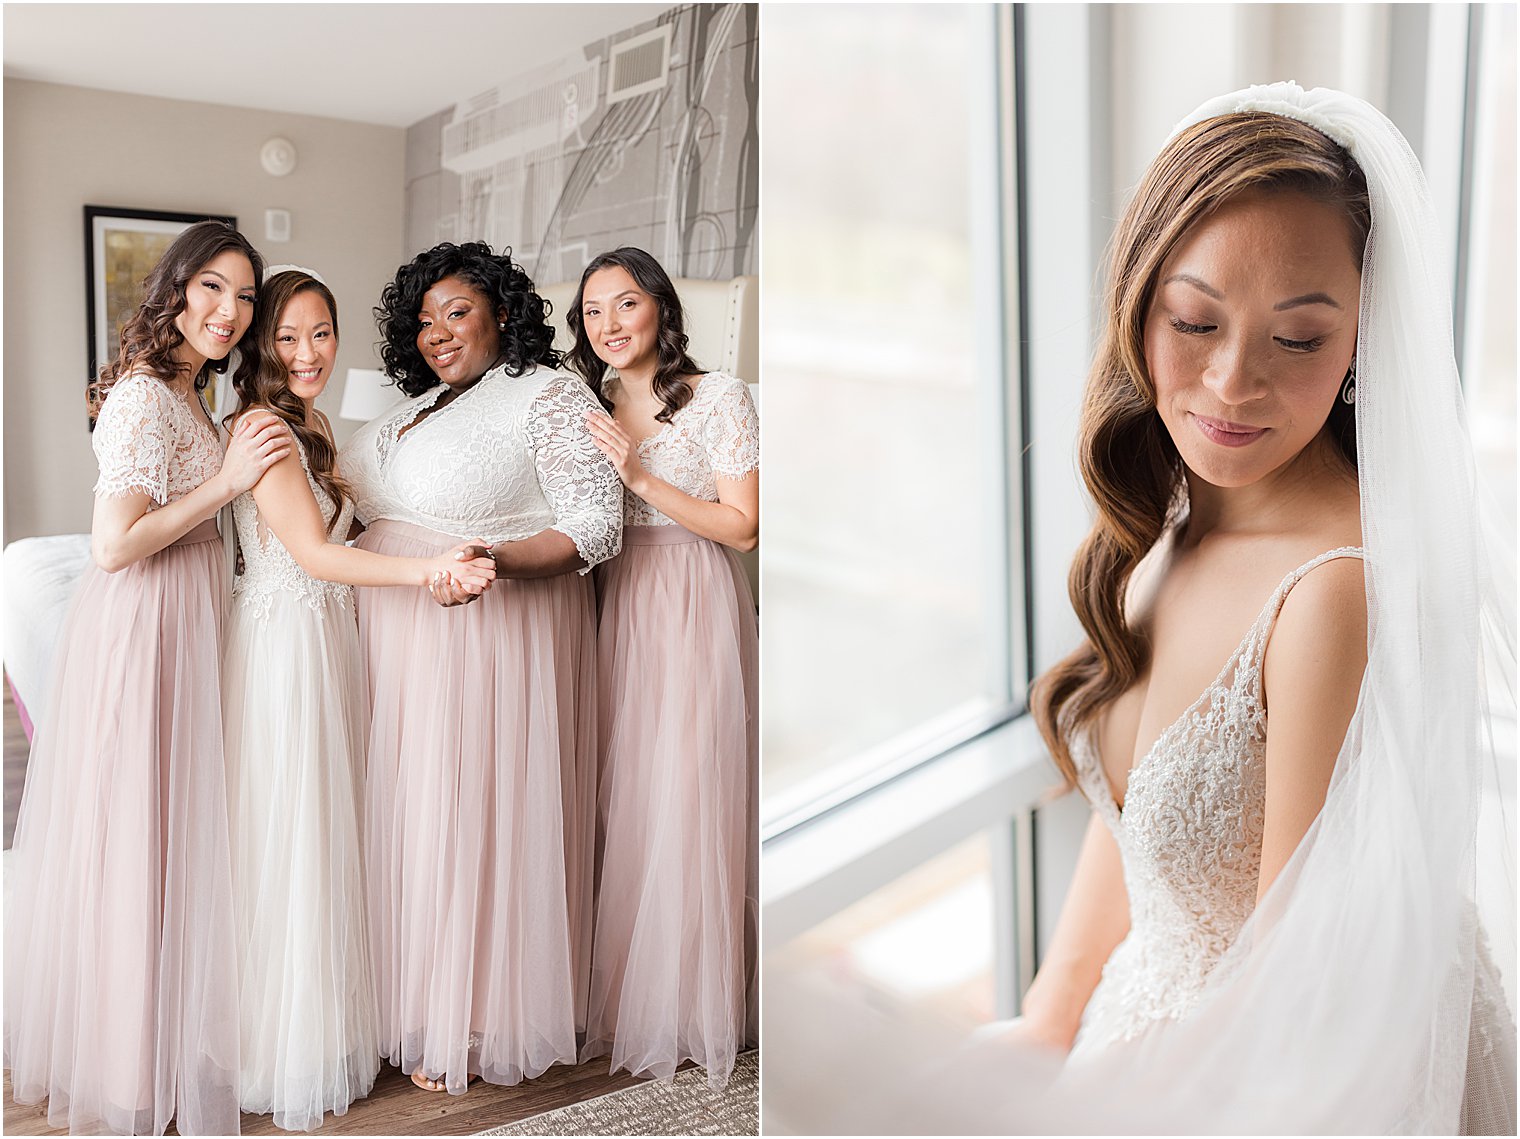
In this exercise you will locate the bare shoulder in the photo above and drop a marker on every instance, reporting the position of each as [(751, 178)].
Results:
[(1320, 638)]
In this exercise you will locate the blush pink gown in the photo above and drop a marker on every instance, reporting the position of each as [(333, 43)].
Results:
[(120, 974), (481, 758), (673, 965)]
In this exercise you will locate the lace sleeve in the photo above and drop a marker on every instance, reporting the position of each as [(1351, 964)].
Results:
[(732, 431), (582, 487), (131, 440)]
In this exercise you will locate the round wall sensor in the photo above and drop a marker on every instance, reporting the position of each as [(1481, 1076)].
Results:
[(278, 156)]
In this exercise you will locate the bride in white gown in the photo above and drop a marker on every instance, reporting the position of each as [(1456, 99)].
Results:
[(295, 720), (1277, 921)]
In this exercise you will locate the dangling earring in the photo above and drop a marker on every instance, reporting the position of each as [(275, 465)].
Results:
[(1348, 388)]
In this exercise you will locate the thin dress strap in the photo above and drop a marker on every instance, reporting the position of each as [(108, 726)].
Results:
[(1254, 650)]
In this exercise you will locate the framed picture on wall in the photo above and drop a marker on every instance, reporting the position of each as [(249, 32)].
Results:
[(121, 246)]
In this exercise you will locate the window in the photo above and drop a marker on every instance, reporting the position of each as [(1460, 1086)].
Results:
[(888, 629)]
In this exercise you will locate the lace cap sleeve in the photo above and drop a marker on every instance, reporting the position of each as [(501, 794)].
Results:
[(732, 430), (131, 439), (578, 481)]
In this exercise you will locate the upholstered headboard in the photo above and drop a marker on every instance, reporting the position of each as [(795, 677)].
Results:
[(722, 322)]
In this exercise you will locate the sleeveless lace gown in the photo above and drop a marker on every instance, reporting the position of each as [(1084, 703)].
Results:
[(120, 975), (1190, 838), (673, 965), (295, 715)]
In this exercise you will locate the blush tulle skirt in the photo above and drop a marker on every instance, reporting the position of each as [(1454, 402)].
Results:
[(120, 974), (480, 816), (295, 713), (673, 964)]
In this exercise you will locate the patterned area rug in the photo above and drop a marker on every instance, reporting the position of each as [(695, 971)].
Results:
[(685, 1106)]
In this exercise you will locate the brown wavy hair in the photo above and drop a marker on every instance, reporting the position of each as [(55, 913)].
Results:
[(674, 364), (1127, 458), (262, 380), (149, 337)]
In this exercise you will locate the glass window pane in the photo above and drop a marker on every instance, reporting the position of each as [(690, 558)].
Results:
[(885, 545)]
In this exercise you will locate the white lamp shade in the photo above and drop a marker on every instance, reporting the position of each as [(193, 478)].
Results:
[(366, 393)]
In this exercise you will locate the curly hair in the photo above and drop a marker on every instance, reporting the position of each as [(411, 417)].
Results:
[(1128, 460), (674, 364), (527, 341), (149, 337), (261, 379)]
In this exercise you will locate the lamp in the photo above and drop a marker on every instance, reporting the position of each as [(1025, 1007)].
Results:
[(366, 393)]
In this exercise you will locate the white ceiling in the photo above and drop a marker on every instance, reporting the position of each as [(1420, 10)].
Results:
[(389, 64)]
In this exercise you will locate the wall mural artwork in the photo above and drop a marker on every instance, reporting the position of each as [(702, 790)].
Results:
[(648, 137)]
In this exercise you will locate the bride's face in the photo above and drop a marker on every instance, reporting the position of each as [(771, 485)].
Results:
[(1251, 331)]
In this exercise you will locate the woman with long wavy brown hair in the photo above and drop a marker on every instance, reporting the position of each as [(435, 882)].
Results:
[(296, 723), (120, 979), (1217, 442), (1277, 713)]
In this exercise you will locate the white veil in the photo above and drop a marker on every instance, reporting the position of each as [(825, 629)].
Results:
[(1363, 994)]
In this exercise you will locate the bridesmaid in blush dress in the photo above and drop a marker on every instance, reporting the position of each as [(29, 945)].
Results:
[(673, 962), (481, 776), (120, 974)]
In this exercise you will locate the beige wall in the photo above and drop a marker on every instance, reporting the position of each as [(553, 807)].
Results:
[(66, 147)]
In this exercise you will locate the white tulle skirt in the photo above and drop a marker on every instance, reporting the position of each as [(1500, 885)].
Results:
[(673, 964), (294, 708), (120, 978)]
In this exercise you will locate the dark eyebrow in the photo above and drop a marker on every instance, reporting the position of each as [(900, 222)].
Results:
[(1187, 278), (453, 301), (620, 296), (319, 324), (1306, 299)]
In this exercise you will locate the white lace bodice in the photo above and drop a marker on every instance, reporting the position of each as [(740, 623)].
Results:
[(1190, 838), (508, 458), (716, 434), (147, 438), (269, 568)]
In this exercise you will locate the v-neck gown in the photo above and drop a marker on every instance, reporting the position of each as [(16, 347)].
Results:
[(1190, 838), (480, 787)]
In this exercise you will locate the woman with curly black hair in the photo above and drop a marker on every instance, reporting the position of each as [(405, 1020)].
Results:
[(481, 774), (673, 964)]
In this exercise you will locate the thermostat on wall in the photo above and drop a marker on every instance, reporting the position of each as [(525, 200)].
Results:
[(276, 225)]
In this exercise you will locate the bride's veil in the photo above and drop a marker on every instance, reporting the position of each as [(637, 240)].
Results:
[(1369, 988)]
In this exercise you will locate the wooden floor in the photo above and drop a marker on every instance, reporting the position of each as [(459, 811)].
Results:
[(396, 1107)]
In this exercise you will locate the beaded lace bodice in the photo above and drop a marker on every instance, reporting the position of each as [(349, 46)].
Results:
[(147, 438), (1190, 836), (717, 434), (269, 568), (509, 457)]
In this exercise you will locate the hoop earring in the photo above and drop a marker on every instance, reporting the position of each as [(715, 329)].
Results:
[(1348, 387)]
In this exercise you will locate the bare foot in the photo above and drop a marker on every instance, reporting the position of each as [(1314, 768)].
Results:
[(428, 1085)]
